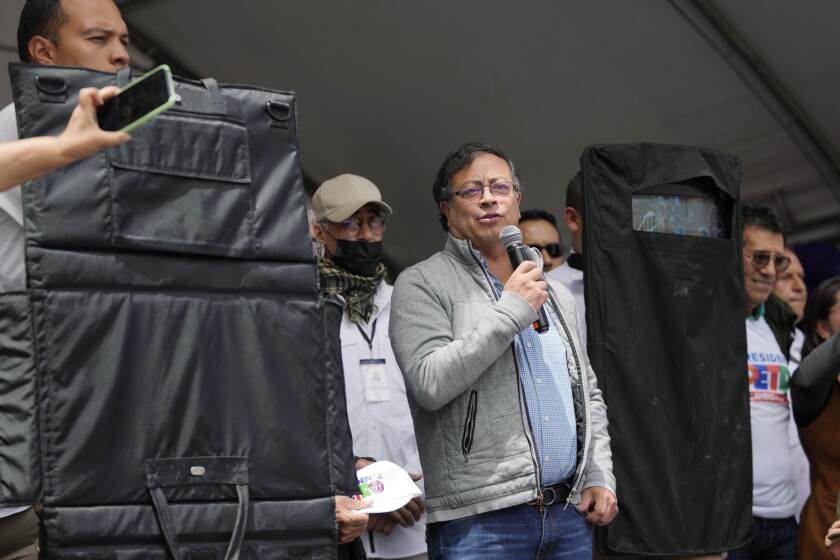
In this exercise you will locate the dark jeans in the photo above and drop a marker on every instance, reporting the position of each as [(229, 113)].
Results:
[(513, 533), (773, 539)]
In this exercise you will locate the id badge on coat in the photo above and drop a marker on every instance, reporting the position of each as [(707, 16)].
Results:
[(375, 380)]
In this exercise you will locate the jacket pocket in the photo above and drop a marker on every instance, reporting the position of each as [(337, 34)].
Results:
[(469, 425)]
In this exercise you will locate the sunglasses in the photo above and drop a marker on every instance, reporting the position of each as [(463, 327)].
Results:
[(554, 250), (760, 259)]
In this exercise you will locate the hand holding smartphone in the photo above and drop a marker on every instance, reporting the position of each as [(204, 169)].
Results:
[(138, 102)]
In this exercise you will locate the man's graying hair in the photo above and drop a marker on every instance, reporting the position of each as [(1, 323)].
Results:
[(459, 159)]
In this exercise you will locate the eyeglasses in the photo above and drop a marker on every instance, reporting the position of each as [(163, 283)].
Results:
[(760, 259), (554, 250), (477, 191), (353, 224)]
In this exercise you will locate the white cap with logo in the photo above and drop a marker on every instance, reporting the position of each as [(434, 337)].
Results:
[(387, 485)]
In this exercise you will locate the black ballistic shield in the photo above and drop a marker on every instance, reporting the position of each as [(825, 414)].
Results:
[(172, 379), (666, 337)]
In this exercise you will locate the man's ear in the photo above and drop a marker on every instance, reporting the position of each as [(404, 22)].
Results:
[(41, 50), (316, 231), (443, 206), (444, 209), (822, 329), (572, 219)]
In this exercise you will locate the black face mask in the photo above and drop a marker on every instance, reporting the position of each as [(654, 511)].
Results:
[(358, 257)]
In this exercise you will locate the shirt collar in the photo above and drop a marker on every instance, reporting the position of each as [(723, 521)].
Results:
[(480, 257), (758, 313)]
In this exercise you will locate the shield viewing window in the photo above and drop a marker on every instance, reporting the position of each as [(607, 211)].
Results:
[(683, 209)]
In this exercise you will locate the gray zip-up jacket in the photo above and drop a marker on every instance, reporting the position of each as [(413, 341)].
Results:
[(453, 340)]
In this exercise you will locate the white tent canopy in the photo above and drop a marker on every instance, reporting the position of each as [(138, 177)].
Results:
[(386, 88)]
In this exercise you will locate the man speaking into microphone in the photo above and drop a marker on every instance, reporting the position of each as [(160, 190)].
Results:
[(510, 424)]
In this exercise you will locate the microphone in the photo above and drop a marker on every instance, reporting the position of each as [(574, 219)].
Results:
[(518, 253)]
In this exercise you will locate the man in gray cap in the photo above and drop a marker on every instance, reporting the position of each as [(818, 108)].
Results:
[(349, 221)]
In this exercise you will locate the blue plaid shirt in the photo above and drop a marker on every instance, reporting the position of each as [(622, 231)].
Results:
[(544, 373)]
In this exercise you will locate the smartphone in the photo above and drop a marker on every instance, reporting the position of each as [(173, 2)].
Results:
[(138, 102)]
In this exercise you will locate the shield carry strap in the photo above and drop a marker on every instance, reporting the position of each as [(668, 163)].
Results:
[(209, 101), (216, 99), (198, 471)]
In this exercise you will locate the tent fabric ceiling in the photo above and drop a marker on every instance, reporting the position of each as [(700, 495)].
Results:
[(387, 88)]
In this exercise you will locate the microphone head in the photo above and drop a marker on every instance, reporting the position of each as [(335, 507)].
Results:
[(510, 235)]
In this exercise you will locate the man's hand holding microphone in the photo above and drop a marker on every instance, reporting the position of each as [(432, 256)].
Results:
[(527, 282)]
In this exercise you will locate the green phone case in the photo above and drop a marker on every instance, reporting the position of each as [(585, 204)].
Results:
[(169, 102)]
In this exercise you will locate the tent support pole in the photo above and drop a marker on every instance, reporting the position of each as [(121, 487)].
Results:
[(713, 26)]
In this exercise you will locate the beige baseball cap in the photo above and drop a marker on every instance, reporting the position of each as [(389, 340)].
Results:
[(338, 198)]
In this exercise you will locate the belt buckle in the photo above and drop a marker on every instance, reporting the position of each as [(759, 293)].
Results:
[(549, 496)]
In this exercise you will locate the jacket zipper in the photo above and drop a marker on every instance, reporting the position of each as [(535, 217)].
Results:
[(526, 422), (583, 400), (469, 425)]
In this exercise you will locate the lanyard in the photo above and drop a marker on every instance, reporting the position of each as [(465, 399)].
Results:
[(368, 339)]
